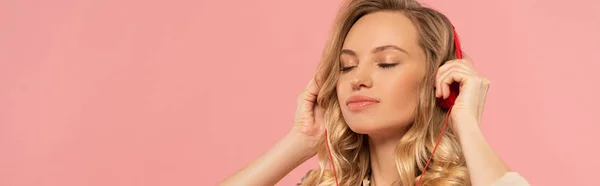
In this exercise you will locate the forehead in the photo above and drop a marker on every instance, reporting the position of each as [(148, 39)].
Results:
[(382, 28)]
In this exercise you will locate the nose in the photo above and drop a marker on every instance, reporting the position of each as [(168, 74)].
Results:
[(361, 78)]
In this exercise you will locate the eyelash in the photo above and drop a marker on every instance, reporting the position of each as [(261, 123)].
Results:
[(387, 65), (382, 65)]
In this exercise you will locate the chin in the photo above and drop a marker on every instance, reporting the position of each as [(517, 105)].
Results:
[(363, 128), (369, 126), (376, 122), (373, 127)]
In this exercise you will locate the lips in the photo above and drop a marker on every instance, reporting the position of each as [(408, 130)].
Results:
[(360, 102)]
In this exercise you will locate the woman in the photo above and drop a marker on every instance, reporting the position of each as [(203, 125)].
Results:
[(373, 103)]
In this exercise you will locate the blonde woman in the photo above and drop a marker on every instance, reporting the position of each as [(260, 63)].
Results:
[(373, 102)]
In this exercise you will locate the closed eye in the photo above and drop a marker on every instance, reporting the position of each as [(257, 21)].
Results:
[(345, 69), (387, 65)]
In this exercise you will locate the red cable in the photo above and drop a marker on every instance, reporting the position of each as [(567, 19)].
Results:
[(449, 103), (458, 56), (331, 158), (434, 148), (426, 165)]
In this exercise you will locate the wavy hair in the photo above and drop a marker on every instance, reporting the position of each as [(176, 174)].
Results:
[(350, 150)]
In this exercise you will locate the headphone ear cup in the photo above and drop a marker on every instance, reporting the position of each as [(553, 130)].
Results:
[(454, 87), (449, 102)]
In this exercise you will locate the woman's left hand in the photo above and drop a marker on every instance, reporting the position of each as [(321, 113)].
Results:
[(473, 89)]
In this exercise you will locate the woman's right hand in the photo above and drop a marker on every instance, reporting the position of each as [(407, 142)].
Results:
[(294, 149), (309, 126)]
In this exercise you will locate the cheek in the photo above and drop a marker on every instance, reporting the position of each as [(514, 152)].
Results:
[(403, 93)]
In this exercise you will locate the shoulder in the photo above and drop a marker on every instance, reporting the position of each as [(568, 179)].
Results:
[(512, 179)]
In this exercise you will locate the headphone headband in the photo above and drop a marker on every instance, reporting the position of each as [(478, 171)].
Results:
[(457, 44)]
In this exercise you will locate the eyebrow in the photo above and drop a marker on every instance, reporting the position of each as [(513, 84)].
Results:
[(376, 50)]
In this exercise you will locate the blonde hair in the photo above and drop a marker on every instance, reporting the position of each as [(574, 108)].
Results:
[(350, 150)]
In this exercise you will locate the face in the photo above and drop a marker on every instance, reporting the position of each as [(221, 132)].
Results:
[(382, 67)]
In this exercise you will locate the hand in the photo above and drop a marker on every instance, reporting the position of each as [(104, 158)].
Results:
[(309, 127), (473, 89), (291, 151), (485, 166)]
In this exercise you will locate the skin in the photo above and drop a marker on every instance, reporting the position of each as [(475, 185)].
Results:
[(370, 71), (381, 58)]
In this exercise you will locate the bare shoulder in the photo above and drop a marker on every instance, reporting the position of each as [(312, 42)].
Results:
[(512, 179)]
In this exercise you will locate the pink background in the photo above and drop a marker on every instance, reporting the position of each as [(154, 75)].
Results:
[(182, 92)]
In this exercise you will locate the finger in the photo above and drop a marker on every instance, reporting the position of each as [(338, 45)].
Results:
[(312, 80), (461, 63), (450, 65), (468, 60), (453, 75), (311, 90), (447, 81), (444, 89)]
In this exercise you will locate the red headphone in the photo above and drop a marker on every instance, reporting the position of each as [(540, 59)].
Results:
[(454, 87), (444, 103)]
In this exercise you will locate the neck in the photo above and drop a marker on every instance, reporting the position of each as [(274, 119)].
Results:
[(383, 163)]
